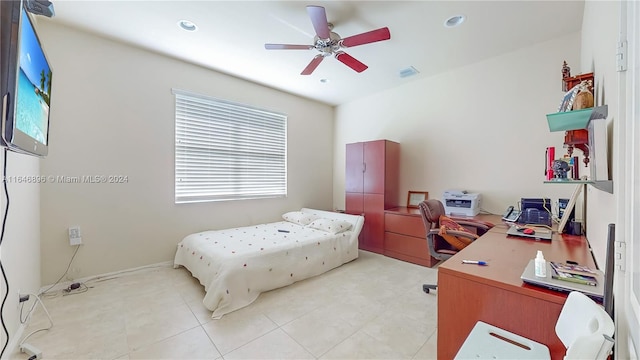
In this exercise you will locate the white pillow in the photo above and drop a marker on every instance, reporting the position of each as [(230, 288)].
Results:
[(300, 218), (333, 226)]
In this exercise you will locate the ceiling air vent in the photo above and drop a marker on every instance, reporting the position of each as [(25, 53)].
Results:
[(410, 71)]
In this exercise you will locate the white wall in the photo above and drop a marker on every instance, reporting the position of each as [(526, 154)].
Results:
[(598, 55), (21, 244), (481, 127), (112, 113), (599, 45)]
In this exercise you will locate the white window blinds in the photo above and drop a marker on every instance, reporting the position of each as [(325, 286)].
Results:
[(228, 151)]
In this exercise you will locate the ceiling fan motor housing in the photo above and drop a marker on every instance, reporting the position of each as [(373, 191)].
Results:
[(327, 46)]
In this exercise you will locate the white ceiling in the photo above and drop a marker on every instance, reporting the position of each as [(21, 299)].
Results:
[(231, 36)]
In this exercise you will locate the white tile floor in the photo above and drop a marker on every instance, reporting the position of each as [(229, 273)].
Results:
[(371, 308)]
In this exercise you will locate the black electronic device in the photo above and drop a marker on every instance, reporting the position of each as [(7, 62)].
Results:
[(535, 203), (40, 7), (535, 216), (535, 211), (562, 205), (25, 82), (609, 271), (511, 214)]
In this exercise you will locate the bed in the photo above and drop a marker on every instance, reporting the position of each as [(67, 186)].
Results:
[(236, 265)]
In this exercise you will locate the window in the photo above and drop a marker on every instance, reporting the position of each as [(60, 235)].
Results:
[(228, 151)]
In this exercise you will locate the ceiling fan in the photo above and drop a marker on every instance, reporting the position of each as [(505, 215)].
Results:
[(329, 43)]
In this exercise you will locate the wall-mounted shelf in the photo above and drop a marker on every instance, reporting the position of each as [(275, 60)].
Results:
[(576, 119), (604, 185), (577, 124)]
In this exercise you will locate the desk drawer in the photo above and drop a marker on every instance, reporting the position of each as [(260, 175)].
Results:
[(406, 225), (408, 248), (408, 245)]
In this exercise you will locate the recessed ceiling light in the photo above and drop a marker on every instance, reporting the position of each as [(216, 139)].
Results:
[(454, 21), (324, 81), (187, 25)]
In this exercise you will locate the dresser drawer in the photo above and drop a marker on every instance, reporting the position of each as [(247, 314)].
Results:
[(408, 248), (407, 245), (404, 224)]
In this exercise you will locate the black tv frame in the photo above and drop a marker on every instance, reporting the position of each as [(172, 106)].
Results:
[(10, 29)]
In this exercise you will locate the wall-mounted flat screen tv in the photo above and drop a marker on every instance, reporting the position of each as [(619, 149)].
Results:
[(25, 84)]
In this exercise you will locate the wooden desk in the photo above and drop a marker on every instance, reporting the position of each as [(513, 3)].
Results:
[(405, 235), (495, 293)]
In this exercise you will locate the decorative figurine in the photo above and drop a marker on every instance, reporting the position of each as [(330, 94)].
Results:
[(566, 73), (584, 98), (560, 169)]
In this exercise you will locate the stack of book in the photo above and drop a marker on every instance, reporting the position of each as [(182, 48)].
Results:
[(573, 273)]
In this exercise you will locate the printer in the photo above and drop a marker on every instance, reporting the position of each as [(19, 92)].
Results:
[(459, 202)]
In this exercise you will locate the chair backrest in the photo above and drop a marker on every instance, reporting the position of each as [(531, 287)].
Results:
[(584, 328), (430, 210)]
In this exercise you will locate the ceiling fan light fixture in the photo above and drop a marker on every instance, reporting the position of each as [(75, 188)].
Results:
[(187, 25), (454, 21)]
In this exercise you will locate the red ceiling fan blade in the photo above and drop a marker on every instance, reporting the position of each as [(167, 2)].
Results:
[(312, 65), (350, 61), (368, 37), (287, 47), (319, 20)]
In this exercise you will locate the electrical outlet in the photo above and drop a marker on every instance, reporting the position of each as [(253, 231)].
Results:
[(75, 237)]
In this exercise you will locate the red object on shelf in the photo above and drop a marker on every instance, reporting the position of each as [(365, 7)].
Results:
[(551, 155), (578, 139), (575, 172)]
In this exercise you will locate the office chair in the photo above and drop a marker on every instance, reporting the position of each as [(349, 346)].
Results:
[(583, 326), (443, 246)]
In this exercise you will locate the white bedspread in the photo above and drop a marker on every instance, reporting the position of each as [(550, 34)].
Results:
[(236, 265)]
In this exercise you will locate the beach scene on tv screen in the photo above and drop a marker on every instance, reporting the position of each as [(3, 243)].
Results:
[(34, 86)]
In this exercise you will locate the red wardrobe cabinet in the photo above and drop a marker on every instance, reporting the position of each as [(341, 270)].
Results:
[(371, 185)]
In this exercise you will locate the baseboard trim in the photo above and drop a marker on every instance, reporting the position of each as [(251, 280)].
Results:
[(16, 337), (106, 276)]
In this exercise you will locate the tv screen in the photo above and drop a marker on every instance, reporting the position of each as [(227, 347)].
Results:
[(26, 84)]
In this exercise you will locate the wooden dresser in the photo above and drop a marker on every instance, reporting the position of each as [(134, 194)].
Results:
[(405, 236)]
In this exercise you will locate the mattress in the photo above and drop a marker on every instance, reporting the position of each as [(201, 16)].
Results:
[(236, 265)]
